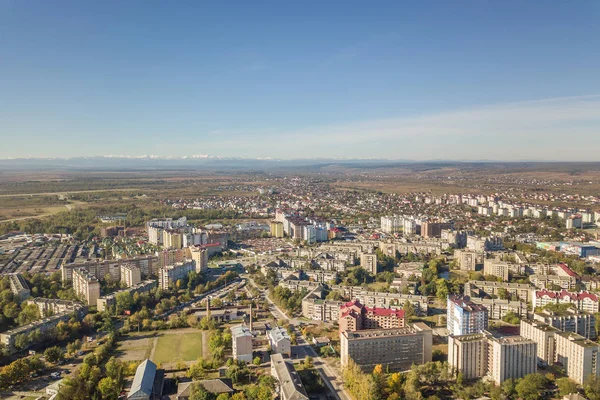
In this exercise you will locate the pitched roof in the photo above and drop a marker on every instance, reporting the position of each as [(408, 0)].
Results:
[(143, 380), (288, 378)]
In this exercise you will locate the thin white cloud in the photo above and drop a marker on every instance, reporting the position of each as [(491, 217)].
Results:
[(482, 132)]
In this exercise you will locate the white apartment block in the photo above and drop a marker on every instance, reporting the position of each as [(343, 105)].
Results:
[(130, 275), (583, 301), (468, 354), (241, 343), (391, 224), (280, 341), (464, 317), (86, 286)]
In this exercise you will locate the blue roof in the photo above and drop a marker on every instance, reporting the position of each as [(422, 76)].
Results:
[(143, 380)]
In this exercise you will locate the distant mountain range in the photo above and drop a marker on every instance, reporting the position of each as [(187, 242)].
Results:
[(207, 162), (195, 161)]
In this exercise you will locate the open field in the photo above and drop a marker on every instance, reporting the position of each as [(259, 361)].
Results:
[(181, 345), (178, 347)]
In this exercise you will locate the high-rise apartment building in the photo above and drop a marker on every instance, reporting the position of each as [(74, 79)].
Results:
[(577, 355), (434, 229), (391, 224), (86, 286), (130, 275), (276, 229), (369, 262), (464, 317), (172, 273), (199, 256), (511, 357), (499, 357), (172, 239)]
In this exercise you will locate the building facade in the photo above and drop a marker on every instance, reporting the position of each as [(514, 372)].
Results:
[(86, 286), (131, 275), (395, 349), (355, 316), (465, 317), (241, 343)]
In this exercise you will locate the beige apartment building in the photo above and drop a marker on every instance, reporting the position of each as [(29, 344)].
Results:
[(172, 273), (498, 357), (496, 268), (276, 228), (543, 335), (511, 357), (578, 355), (395, 349), (130, 275), (481, 288), (86, 286), (199, 256), (469, 354), (369, 262), (467, 260)]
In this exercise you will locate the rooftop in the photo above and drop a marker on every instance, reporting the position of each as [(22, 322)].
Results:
[(288, 378)]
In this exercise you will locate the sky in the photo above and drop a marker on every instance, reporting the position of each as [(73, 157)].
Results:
[(427, 80)]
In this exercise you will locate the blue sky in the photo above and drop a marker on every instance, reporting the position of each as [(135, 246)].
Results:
[(507, 80)]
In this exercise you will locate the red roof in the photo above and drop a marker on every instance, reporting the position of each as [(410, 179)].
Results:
[(383, 312), (568, 270), (565, 294)]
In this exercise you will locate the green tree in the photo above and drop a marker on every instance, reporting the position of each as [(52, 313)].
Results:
[(592, 388), (198, 392), (28, 314), (409, 309), (442, 289), (74, 347), (531, 387), (54, 354), (109, 388), (566, 386), (256, 361)]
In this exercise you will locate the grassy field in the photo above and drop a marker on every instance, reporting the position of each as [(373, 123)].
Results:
[(178, 347)]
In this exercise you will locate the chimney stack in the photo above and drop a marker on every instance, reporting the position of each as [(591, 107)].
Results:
[(250, 317)]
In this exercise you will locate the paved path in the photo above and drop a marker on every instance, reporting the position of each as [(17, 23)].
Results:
[(154, 343), (205, 349), (303, 349)]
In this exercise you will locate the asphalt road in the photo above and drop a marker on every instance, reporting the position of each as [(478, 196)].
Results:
[(303, 349)]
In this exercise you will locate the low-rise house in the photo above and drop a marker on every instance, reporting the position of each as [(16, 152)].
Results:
[(290, 385), (279, 341), (147, 382)]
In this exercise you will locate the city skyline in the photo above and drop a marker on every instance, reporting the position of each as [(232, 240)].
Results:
[(466, 82)]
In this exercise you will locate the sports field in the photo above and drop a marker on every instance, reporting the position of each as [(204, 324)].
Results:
[(163, 347), (185, 346)]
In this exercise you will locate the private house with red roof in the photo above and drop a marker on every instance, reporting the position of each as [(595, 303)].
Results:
[(355, 317)]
